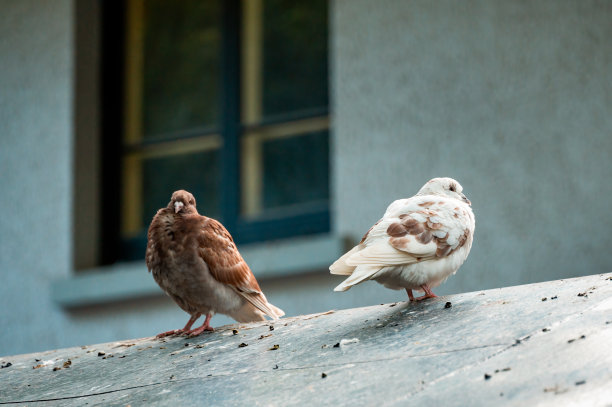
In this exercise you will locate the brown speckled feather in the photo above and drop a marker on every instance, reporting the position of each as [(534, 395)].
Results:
[(218, 250)]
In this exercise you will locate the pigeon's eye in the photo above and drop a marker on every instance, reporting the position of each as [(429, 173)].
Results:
[(452, 188), (191, 202)]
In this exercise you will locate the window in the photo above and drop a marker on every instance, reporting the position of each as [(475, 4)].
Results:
[(226, 99)]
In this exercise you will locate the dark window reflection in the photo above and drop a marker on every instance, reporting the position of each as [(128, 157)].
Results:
[(181, 65), (197, 173), (295, 170), (295, 56)]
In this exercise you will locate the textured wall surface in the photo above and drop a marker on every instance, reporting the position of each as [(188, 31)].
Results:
[(35, 167), (513, 99)]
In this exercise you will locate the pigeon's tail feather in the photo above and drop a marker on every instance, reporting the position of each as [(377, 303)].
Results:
[(277, 311), (248, 313), (340, 267), (259, 301), (361, 274)]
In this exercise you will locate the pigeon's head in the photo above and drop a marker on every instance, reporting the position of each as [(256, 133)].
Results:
[(446, 187), (182, 202)]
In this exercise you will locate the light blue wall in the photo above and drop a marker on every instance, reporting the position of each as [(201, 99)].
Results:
[(512, 98), (35, 167)]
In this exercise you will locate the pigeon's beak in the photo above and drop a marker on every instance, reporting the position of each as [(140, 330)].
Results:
[(178, 205), (464, 199)]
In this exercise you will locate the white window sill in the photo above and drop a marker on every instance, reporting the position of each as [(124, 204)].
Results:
[(127, 281)]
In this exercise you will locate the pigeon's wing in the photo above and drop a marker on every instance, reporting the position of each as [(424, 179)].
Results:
[(226, 265), (430, 227)]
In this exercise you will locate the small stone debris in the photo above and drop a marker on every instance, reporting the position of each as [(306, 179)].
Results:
[(101, 353), (271, 327), (545, 329), (345, 342), (187, 344), (580, 382), (553, 298), (555, 390), (37, 366), (55, 369), (323, 375), (121, 357), (37, 360), (242, 345), (337, 345), (264, 336), (392, 305), (275, 367), (572, 340), (108, 356), (544, 299), (274, 347), (67, 364), (448, 304), (199, 346), (5, 365), (127, 345), (235, 331), (517, 342), (506, 369), (487, 376), (171, 377), (325, 346), (162, 347), (609, 278), (584, 294)]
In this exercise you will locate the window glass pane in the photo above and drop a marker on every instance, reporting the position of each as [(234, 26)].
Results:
[(295, 170), (181, 48), (196, 173), (294, 56), (288, 172)]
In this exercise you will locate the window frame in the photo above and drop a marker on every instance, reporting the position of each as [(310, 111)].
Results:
[(231, 129)]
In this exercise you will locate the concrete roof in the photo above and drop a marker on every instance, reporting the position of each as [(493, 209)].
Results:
[(545, 344)]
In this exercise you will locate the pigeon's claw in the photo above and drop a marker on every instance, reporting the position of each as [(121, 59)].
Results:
[(169, 333), (410, 296), (205, 327), (428, 293)]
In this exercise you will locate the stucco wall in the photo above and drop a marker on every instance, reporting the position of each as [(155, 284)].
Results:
[(35, 167), (513, 99)]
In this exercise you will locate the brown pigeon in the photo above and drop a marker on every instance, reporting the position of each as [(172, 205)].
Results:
[(195, 261)]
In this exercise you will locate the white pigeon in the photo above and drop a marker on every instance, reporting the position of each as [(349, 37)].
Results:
[(418, 243)]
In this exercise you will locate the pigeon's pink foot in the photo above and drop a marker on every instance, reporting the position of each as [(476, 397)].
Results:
[(428, 293), (205, 327), (410, 296), (169, 333), (185, 329)]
